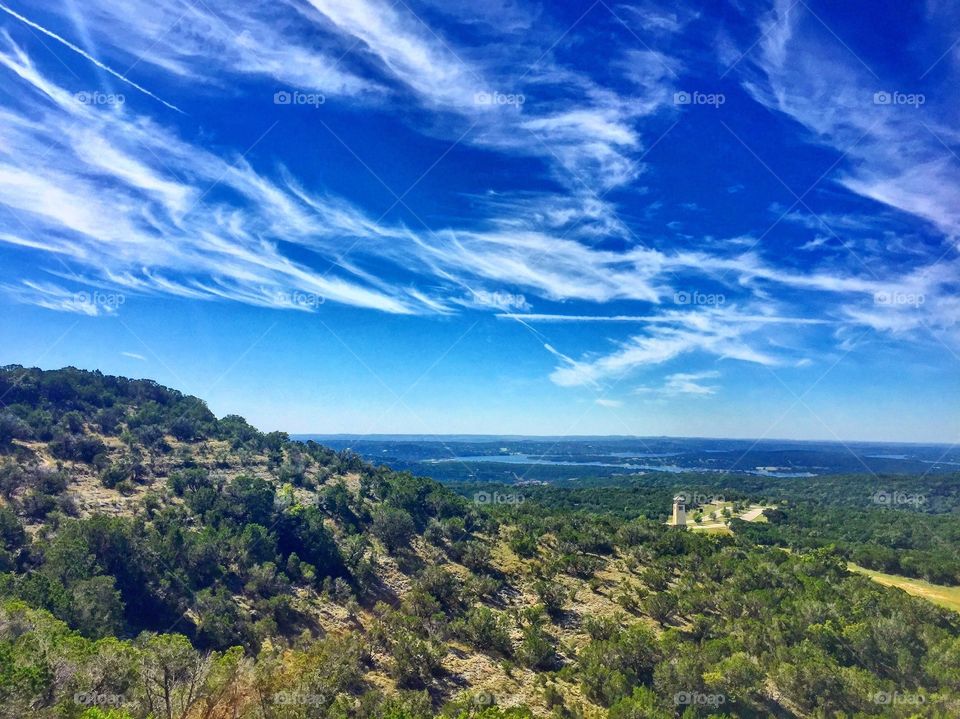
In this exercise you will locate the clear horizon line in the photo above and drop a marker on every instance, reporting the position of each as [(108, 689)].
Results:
[(380, 435)]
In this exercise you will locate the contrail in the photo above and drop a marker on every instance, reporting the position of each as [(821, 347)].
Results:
[(86, 55)]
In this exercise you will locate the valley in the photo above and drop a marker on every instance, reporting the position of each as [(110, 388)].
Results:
[(174, 564)]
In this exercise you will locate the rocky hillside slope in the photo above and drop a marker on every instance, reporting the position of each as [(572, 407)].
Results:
[(158, 561)]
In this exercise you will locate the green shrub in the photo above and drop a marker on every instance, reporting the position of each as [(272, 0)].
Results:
[(486, 630)]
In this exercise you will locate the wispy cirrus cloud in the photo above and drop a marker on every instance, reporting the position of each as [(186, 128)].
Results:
[(583, 130), (896, 145), (657, 19), (157, 229), (199, 226), (903, 154), (52, 296), (193, 224), (122, 78), (683, 383), (608, 403), (375, 51), (194, 42), (196, 225), (719, 333), (130, 204)]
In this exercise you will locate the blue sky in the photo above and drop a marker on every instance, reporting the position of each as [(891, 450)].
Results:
[(738, 219)]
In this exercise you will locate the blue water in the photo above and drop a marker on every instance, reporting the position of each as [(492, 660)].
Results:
[(642, 454), (671, 468)]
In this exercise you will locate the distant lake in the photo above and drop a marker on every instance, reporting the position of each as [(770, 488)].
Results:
[(643, 454), (561, 457), (526, 459)]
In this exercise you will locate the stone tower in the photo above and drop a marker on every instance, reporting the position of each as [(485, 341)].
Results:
[(679, 511)]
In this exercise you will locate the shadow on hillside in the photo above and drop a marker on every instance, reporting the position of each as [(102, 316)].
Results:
[(409, 562), (505, 597)]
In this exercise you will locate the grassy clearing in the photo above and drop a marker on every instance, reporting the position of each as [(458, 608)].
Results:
[(711, 530), (717, 526), (948, 597)]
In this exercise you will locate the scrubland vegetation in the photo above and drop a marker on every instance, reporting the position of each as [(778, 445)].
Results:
[(156, 561)]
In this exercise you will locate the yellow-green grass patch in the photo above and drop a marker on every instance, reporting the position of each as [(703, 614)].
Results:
[(941, 595)]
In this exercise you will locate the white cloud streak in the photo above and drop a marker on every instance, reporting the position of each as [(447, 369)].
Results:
[(86, 56), (901, 154), (683, 384), (194, 42), (587, 136), (608, 403), (131, 205), (195, 225), (110, 204), (717, 333)]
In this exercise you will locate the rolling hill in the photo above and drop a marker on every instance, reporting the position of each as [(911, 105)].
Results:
[(158, 561)]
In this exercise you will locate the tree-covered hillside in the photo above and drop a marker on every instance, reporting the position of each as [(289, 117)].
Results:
[(159, 562)]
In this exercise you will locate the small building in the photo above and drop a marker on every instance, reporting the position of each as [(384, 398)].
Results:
[(679, 511)]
